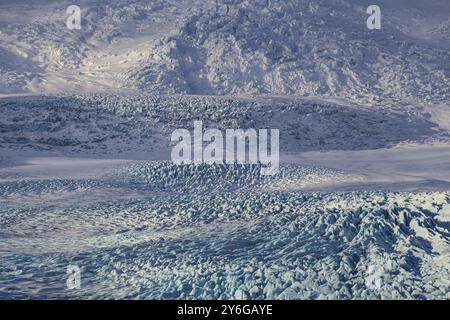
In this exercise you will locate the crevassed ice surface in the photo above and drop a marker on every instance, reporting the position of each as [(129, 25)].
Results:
[(360, 207)]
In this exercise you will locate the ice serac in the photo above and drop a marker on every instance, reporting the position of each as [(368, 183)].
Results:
[(234, 47), (297, 47)]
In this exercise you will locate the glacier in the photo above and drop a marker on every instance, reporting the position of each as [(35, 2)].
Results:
[(360, 208)]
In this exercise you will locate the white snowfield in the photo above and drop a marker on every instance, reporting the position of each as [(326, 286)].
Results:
[(360, 208)]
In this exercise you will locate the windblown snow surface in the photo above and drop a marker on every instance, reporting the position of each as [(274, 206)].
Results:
[(360, 208)]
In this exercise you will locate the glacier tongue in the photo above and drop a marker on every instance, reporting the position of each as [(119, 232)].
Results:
[(219, 240), (360, 208)]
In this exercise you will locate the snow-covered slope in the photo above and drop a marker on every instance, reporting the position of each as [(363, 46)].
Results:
[(230, 47), (39, 53), (301, 48)]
